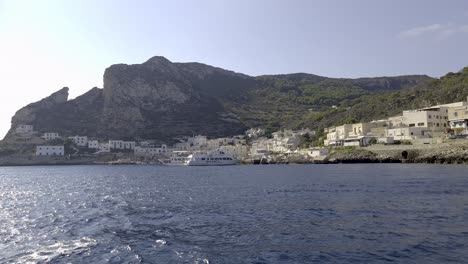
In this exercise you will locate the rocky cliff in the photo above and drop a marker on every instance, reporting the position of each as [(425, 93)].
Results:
[(159, 99)]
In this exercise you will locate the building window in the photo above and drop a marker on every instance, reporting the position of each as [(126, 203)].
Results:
[(455, 113), (411, 125), (421, 124), (430, 116)]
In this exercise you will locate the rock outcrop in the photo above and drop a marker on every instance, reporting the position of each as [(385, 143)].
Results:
[(32, 112)]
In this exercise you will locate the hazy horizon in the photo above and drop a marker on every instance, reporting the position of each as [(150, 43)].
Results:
[(48, 45)]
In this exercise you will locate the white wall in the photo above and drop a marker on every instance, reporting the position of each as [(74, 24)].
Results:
[(50, 151)]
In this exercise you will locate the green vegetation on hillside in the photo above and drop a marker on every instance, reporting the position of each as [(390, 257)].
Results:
[(304, 100), (453, 87)]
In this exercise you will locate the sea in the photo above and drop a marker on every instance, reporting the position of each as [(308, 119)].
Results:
[(343, 213)]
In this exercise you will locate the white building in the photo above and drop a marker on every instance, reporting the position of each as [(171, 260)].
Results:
[(434, 119), (361, 141), (50, 136), (24, 130), (151, 151), (412, 124), (129, 145), (407, 133), (50, 150), (237, 151), (103, 148), (318, 152), (337, 135), (120, 144), (80, 141), (93, 144), (182, 146), (116, 144)]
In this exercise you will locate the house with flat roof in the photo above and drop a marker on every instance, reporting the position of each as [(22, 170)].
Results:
[(50, 150)]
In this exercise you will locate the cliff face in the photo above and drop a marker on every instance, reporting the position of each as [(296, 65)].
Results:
[(156, 100), (159, 99), (32, 112), (28, 114), (56, 114)]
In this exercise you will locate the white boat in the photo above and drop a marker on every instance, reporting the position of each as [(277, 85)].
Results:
[(177, 158), (217, 158)]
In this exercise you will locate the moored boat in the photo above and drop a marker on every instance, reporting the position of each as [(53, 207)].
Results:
[(177, 158), (217, 158)]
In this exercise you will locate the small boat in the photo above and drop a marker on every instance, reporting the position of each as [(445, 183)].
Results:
[(177, 158), (217, 158)]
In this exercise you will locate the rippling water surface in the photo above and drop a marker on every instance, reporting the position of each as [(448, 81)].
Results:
[(240, 214)]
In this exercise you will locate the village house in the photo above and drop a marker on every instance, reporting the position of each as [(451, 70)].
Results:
[(120, 144), (151, 151), (182, 146), (50, 136), (337, 135), (116, 144), (129, 145), (50, 150), (103, 148), (148, 143), (237, 151), (80, 141), (93, 144)]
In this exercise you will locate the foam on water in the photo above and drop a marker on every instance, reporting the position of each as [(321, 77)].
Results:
[(50, 252)]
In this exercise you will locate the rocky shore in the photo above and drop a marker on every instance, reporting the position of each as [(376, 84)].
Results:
[(456, 155), (448, 153)]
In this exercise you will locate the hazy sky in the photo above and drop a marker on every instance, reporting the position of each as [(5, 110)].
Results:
[(46, 45)]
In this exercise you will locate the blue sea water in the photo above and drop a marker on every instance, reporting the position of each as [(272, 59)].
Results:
[(366, 213)]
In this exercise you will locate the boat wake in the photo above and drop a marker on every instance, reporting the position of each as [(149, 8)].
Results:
[(48, 253)]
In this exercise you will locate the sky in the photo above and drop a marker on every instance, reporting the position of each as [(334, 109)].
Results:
[(49, 44)]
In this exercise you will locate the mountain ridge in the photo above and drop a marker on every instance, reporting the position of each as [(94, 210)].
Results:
[(159, 99)]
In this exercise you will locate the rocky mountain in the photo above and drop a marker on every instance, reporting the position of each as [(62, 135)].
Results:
[(159, 99)]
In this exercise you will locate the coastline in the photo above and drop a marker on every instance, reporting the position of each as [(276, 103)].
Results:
[(448, 152), (455, 152)]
